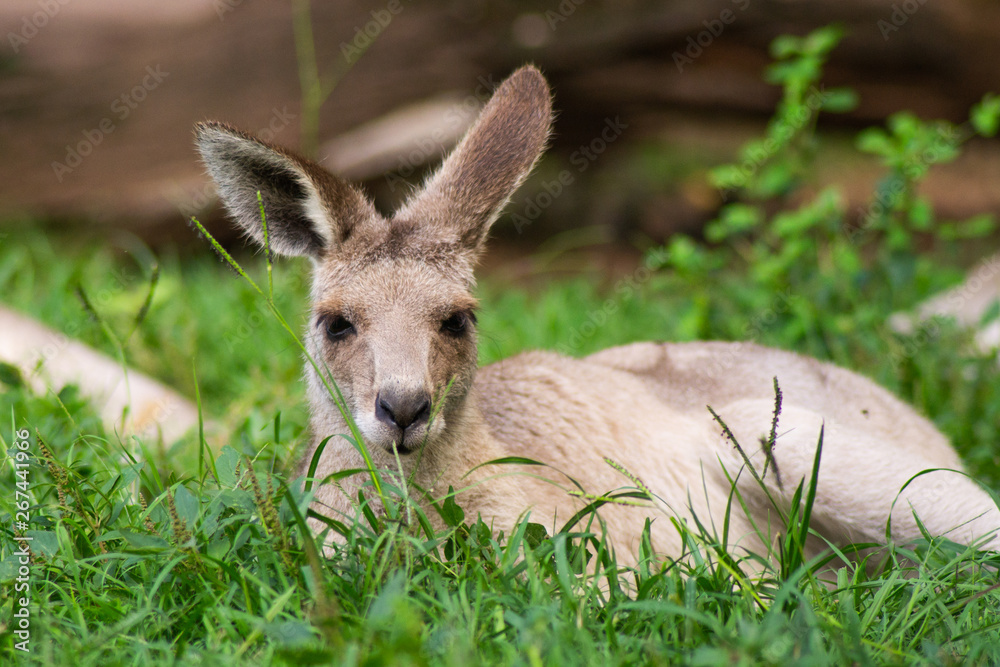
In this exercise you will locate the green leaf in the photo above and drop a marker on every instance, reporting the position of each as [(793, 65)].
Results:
[(10, 375), (45, 542), (535, 534), (898, 238), (237, 499), (727, 177), (781, 73), (846, 260), (143, 543), (822, 40), (685, 254), (921, 214), (792, 223), (904, 125), (776, 179), (511, 460), (218, 548), (187, 505), (839, 100), (734, 219), (452, 515), (976, 227), (8, 569), (985, 116), (786, 46), (874, 140), (225, 465)]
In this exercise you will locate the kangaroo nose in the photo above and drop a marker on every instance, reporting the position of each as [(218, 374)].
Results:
[(402, 409)]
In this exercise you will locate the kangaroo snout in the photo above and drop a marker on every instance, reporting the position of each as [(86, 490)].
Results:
[(405, 411)]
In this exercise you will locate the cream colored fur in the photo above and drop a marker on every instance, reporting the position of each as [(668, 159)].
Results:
[(392, 325)]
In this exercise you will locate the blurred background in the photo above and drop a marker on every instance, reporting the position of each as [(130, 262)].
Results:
[(98, 99)]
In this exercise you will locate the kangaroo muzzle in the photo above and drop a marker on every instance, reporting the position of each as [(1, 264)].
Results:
[(405, 411)]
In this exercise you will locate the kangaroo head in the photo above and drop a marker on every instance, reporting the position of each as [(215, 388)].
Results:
[(393, 313)]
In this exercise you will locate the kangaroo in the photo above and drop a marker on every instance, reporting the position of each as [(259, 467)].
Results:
[(393, 326)]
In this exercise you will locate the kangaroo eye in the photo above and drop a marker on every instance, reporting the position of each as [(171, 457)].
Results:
[(337, 327), (458, 323)]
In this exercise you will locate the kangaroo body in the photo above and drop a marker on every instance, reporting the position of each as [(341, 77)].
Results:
[(392, 327)]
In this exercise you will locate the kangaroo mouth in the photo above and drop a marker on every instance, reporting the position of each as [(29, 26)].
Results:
[(401, 448), (397, 441), (404, 444)]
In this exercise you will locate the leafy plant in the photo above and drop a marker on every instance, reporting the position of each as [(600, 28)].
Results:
[(788, 265)]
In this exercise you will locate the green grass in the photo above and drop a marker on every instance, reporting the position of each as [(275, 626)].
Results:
[(215, 567), (146, 556)]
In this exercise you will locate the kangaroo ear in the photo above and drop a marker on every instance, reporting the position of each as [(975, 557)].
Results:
[(309, 211), (467, 193)]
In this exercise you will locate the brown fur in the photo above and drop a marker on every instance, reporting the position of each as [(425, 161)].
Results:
[(392, 324)]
